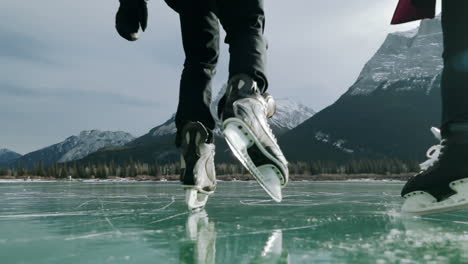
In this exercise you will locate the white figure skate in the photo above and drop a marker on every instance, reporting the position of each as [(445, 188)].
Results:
[(246, 130), (198, 174)]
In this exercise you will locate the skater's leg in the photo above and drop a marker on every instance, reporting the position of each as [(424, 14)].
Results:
[(200, 36), (442, 184), (198, 174), (245, 108), (455, 74), (244, 23)]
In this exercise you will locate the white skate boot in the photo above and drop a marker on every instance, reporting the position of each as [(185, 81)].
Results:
[(245, 126), (198, 174)]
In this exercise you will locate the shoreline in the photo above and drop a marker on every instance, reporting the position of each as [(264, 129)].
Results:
[(224, 178)]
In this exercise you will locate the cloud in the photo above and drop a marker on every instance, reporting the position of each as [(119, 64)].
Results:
[(64, 68), (31, 119), (23, 47), (23, 93)]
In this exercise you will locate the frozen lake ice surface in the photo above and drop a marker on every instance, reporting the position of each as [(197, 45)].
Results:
[(147, 222)]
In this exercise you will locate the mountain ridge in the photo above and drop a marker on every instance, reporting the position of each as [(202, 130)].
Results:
[(387, 112), (158, 144), (74, 147), (6, 156)]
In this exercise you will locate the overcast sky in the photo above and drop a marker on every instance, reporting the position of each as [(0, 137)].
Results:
[(64, 69)]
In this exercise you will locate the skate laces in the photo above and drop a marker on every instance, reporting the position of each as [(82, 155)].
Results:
[(434, 152), (272, 134), (270, 110), (270, 130)]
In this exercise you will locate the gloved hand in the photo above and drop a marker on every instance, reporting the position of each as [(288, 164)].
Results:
[(132, 15)]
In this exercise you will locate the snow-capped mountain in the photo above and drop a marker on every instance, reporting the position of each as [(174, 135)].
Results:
[(158, 144), (6, 156), (167, 128), (76, 147), (387, 112), (410, 55), (289, 114)]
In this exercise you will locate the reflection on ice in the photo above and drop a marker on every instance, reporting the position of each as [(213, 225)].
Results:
[(149, 223), (274, 245), (273, 252), (200, 246)]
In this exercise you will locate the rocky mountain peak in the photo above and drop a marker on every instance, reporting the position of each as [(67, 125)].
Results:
[(77, 146), (289, 114), (403, 56)]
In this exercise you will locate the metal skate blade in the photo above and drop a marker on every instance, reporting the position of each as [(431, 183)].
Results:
[(268, 176), (270, 181), (422, 203)]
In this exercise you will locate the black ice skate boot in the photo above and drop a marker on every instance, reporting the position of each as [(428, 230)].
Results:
[(442, 184), (198, 174), (244, 114)]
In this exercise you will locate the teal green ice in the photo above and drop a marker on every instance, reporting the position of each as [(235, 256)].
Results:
[(317, 222)]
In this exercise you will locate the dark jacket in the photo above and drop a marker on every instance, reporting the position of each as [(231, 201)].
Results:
[(411, 10)]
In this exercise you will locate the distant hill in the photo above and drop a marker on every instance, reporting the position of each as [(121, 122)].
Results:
[(74, 147), (7, 156)]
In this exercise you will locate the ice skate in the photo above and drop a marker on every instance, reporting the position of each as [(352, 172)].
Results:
[(442, 184), (198, 174), (244, 112)]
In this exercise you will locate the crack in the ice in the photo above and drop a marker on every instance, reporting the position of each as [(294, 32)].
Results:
[(89, 236), (85, 203), (269, 231), (107, 218), (43, 215), (254, 202), (167, 218), (112, 225), (167, 205)]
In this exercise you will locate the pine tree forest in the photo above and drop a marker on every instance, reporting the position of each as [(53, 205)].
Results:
[(133, 169)]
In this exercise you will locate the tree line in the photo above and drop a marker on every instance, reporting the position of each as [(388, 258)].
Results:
[(135, 168)]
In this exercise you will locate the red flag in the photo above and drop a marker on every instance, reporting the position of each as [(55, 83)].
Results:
[(407, 11)]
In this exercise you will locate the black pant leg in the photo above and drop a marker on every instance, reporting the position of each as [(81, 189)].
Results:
[(244, 23), (455, 73), (200, 36)]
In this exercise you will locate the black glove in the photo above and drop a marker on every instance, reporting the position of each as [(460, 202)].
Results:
[(132, 15)]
